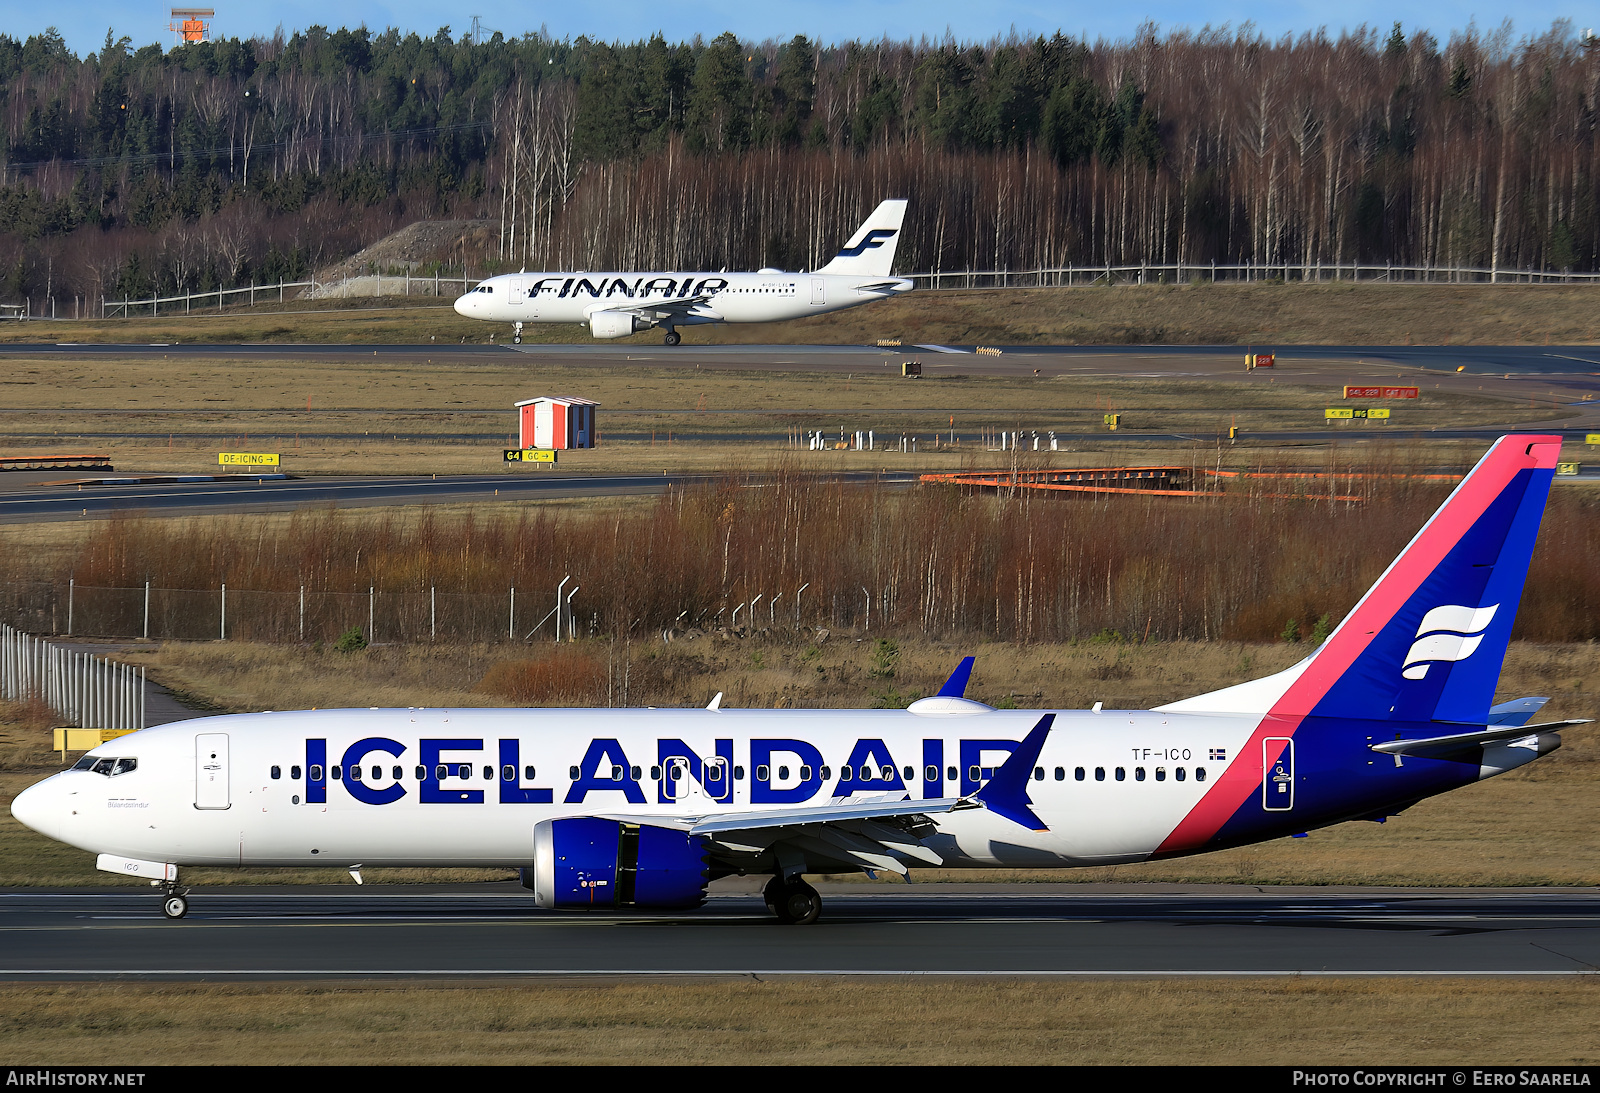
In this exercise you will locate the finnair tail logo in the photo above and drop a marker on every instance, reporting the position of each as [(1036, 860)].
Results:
[(874, 239), (1447, 634)]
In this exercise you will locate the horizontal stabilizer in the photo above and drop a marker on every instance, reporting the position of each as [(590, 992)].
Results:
[(1443, 747)]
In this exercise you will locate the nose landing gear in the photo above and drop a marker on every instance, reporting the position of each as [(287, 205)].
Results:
[(175, 901), (516, 333)]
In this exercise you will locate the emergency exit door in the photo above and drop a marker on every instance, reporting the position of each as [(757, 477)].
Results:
[(211, 770)]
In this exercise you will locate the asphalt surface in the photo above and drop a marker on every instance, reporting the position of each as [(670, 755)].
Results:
[(494, 930), (21, 502)]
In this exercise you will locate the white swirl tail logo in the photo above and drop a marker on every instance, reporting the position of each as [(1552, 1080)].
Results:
[(1447, 634)]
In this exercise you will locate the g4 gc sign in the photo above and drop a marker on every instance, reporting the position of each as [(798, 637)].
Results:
[(529, 455)]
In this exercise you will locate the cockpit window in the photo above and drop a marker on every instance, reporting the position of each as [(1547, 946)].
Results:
[(107, 765)]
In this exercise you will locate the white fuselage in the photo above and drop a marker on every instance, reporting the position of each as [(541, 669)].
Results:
[(239, 790), (671, 299)]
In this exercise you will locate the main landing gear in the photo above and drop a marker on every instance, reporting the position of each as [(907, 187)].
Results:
[(516, 333), (794, 901), (672, 338)]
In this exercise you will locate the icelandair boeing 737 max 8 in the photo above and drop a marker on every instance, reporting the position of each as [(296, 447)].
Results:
[(616, 809), (614, 305)]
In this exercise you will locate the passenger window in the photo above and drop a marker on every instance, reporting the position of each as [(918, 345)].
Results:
[(1061, 774), (1180, 774), (1138, 774), (1161, 774), (1122, 774), (954, 774), (465, 770), (572, 772), (909, 773), (655, 774), (488, 773), (508, 773), (399, 772), (887, 774), (616, 774), (336, 772), (1038, 774), (846, 773), (277, 772), (783, 774), (377, 773), (294, 772), (826, 774), (634, 772), (972, 774), (421, 772), (441, 772), (316, 773), (930, 774), (738, 773), (1099, 774), (1199, 774), (527, 772), (1077, 772), (805, 773), (762, 772), (355, 772)]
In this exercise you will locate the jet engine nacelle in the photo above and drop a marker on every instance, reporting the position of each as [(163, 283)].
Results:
[(585, 862), (615, 324)]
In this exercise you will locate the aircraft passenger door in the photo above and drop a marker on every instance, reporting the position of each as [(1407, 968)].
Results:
[(678, 783), (211, 770), (514, 291), (819, 293), (1277, 788)]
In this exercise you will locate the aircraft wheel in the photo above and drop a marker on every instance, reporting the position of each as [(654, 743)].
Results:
[(773, 895), (175, 906), (801, 904), (672, 338), (516, 339)]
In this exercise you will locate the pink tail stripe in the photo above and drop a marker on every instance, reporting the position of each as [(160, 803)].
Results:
[(1509, 456)]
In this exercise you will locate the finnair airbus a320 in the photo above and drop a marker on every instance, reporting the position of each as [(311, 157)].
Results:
[(605, 808), (615, 305)]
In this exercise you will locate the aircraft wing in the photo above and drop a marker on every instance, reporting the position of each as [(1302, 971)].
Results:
[(689, 307), (869, 834)]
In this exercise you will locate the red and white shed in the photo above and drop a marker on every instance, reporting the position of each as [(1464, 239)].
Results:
[(558, 422)]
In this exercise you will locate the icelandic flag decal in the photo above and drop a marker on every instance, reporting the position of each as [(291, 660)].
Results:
[(1447, 634), (1219, 755)]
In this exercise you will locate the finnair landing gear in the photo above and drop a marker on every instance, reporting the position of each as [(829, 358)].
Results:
[(176, 903), (516, 333), (794, 901), (672, 337)]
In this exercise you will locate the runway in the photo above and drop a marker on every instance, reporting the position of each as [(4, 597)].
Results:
[(21, 502), (493, 931)]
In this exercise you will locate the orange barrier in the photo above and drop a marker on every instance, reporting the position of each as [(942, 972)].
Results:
[(1157, 481)]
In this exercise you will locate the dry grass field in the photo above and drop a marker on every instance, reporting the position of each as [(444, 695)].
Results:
[(1531, 827), (810, 1022), (1227, 314), (409, 416)]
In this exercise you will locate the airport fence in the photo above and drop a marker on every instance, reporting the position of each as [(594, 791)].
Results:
[(1247, 272), (146, 612), (83, 689)]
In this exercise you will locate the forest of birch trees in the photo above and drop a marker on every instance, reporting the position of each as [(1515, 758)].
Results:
[(132, 170)]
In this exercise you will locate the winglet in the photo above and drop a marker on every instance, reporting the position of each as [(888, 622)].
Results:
[(956, 685), (1006, 794)]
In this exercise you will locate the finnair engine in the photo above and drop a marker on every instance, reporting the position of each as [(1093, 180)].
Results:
[(586, 862), (615, 324)]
